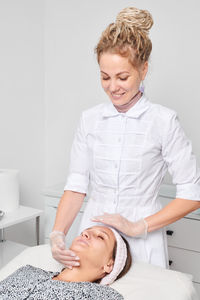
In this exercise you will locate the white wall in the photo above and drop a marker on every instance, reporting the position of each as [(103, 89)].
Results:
[(22, 105), (72, 29)]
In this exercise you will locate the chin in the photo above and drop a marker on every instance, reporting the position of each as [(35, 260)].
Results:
[(78, 248), (75, 247), (121, 101)]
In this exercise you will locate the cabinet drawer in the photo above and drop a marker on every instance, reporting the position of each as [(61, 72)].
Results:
[(185, 261), (184, 234)]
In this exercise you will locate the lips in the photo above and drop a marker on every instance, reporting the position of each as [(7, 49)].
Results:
[(117, 96), (83, 242)]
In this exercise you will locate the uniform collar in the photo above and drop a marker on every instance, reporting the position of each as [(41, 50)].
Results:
[(134, 112)]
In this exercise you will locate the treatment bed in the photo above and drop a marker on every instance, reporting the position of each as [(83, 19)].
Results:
[(142, 282)]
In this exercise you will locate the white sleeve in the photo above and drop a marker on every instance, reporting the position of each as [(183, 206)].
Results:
[(181, 162), (78, 178)]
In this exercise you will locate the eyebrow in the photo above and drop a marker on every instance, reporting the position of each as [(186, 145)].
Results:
[(117, 73)]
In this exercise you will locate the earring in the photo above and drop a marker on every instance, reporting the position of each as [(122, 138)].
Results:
[(141, 87)]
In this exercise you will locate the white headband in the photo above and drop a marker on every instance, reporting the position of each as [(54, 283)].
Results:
[(120, 260)]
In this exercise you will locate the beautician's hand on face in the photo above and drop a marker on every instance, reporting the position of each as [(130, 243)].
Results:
[(134, 229), (59, 252)]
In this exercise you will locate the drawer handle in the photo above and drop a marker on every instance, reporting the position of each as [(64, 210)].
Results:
[(169, 232), (170, 262)]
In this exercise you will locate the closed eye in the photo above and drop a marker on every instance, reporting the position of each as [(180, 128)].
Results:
[(123, 79), (101, 237)]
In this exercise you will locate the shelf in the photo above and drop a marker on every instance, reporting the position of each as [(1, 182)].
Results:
[(22, 214)]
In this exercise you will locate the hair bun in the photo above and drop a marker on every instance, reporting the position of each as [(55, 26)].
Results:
[(134, 17)]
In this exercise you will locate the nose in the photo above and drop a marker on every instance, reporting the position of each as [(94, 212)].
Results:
[(113, 86), (86, 234)]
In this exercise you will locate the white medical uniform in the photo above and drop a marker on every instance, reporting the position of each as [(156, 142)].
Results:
[(119, 161)]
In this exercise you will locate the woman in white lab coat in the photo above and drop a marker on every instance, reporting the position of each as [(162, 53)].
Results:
[(123, 149)]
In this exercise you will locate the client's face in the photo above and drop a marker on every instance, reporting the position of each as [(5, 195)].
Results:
[(95, 248)]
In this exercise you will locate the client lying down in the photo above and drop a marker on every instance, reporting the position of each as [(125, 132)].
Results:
[(104, 257)]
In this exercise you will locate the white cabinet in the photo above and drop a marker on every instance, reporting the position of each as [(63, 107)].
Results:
[(184, 243), (184, 234)]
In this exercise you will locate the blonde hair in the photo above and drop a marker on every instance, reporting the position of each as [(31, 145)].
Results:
[(128, 36)]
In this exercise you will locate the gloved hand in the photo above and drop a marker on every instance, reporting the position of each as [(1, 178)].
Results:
[(135, 229), (59, 252)]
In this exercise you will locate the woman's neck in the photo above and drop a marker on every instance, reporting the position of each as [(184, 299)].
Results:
[(125, 107), (77, 274)]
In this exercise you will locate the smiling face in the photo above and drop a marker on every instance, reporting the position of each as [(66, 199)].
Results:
[(95, 248), (119, 79)]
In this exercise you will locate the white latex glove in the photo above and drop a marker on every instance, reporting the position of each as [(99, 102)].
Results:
[(135, 229), (59, 252)]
